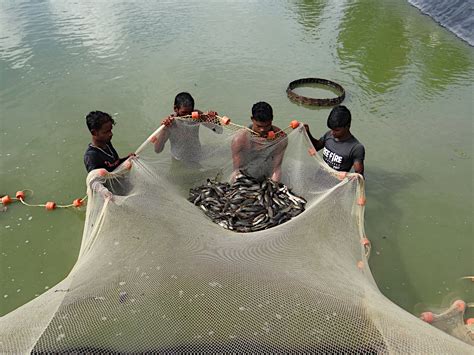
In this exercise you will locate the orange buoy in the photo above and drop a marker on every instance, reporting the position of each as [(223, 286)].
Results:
[(427, 317), (294, 124), (365, 242), (360, 264), (128, 164), (312, 151), (20, 195), (469, 321), (103, 172), (361, 201), (271, 135), (6, 200), (195, 115), (153, 139), (50, 205), (460, 305), (77, 202), (225, 120), (342, 175)]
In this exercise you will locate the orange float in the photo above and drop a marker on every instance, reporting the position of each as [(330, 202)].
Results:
[(361, 201), (153, 139), (271, 135), (20, 195), (365, 242), (469, 321), (195, 115), (294, 124), (460, 305), (50, 205), (427, 317), (103, 172), (6, 200), (225, 120), (77, 202), (312, 151)]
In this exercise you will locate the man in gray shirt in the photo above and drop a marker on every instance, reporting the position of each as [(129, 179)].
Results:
[(341, 150)]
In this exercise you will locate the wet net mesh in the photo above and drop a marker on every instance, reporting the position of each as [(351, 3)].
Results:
[(156, 275)]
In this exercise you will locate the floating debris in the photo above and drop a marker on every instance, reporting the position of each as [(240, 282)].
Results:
[(247, 205)]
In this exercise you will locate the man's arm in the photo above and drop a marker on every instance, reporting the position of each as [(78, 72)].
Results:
[(239, 142), (318, 144), (359, 156), (278, 159), (164, 134), (359, 167)]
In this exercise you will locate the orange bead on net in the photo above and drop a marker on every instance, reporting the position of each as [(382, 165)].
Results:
[(428, 317), (294, 124), (225, 120), (195, 115), (460, 305), (50, 205), (6, 200)]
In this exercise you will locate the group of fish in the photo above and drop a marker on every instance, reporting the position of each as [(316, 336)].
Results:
[(247, 205)]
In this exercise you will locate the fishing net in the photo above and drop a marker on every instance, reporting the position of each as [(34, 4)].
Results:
[(156, 274)]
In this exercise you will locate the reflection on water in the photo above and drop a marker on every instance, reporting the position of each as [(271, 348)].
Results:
[(403, 76), (310, 15), (78, 26), (374, 43), (14, 48)]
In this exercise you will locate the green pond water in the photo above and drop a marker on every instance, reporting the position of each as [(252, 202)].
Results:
[(409, 85)]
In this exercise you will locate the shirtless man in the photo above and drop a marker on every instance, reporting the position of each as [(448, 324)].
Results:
[(255, 153)]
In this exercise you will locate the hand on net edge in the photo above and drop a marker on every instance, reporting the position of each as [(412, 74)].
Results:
[(168, 121), (107, 195), (104, 192)]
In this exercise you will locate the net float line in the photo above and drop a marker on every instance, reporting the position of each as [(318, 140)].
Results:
[(50, 205), (223, 121)]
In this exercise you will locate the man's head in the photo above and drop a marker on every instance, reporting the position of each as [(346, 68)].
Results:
[(339, 121), (100, 125), (183, 104), (262, 117)]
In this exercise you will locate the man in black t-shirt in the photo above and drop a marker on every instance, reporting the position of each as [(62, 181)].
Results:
[(341, 150), (101, 154)]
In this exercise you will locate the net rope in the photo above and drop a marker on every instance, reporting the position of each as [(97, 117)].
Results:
[(156, 275)]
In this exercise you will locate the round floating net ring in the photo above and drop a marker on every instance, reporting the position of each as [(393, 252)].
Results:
[(312, 101)]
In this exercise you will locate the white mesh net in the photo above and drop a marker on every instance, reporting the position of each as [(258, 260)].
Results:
[(155, 274)]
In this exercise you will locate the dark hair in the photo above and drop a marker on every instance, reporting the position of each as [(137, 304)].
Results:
[(262, 112), (184, 99), (96, 119), (340, 116)]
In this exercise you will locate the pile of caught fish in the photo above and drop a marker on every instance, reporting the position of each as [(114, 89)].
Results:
[(247, 205)]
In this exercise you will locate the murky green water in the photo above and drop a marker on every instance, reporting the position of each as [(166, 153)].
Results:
[(409, 84)]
